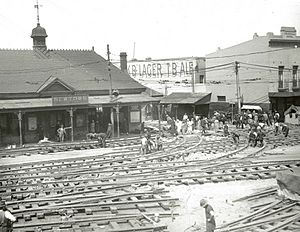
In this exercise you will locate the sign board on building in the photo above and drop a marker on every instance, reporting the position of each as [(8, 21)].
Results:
[(166, 69), (70, 100)]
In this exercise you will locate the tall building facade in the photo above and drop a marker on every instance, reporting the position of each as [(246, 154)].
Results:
[(267, 63)]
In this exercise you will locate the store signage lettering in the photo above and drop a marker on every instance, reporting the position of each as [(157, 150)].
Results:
[(160, 70), (70, 100)]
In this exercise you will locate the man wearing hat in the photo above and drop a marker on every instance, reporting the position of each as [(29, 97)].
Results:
[(6, 218), (209, 214)]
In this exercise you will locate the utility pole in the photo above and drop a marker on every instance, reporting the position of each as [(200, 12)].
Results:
[(238, 95), (109, 71), (110, 91), (193, 80)]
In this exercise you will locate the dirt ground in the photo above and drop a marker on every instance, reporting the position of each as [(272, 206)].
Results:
[(219, 195)]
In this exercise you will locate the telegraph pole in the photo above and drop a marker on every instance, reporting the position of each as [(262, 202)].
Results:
[(109, 71), (110, 91), (238, 95)]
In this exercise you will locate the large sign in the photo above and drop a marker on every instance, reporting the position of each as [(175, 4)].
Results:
[(70, 100), (164, 69)]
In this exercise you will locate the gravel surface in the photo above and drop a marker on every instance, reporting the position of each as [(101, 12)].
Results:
[(220, 196)]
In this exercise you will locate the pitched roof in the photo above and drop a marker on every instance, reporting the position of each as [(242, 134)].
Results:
[(186, 98), (25, 71)]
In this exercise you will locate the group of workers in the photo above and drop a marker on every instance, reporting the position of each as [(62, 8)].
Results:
[(148, 144)]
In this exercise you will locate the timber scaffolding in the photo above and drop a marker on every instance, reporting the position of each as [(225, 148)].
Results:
[(123, 190)]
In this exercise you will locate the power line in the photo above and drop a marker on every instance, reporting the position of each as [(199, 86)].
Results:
[(267, 66), (247, 54)]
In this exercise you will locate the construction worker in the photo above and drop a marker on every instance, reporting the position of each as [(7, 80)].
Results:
[(144, 143), (285, 129), (252, 138), (260, 137), (6, 218), (276, 127), (101, 139), (236, 137), (226, 129), (109, 130), (209, 215)]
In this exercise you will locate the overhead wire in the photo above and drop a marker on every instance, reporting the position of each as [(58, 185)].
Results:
[(247, 54)]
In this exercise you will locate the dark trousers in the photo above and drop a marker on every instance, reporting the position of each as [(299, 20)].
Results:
[(210, 227)]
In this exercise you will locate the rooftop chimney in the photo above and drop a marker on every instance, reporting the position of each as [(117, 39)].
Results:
[(123, 61)]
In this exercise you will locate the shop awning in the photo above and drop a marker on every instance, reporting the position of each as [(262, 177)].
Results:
[(187, 98), (283, 94), (122, 99), (34, 103), (25, 103)]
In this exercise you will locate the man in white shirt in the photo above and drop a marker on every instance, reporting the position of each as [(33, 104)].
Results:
[(6, 218), (144, 142)]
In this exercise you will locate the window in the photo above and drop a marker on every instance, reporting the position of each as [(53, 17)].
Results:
[(280, 76), (135, 115), (80, 120), (201, 79), (32, 123), (295, 76), (221, 98)]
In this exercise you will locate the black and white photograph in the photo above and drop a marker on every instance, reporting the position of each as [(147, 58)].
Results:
[(150, 115)]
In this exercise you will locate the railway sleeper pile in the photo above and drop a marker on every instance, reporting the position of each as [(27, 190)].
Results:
[(268, 212)]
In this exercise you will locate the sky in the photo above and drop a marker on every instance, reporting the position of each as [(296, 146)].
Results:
[(145, 28)]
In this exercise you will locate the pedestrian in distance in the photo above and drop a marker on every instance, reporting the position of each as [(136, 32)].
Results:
[(6, 218), (209, 216), (61, 133)]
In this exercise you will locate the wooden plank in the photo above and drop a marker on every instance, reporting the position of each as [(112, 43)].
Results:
[(283, 224)]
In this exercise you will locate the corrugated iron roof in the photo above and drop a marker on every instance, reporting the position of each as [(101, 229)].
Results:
[(22, 71), (187, 98)]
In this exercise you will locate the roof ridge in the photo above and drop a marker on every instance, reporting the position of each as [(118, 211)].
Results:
[(72, 49), (16, 49)]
